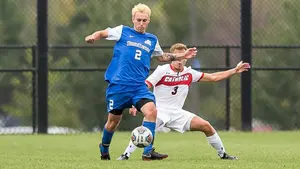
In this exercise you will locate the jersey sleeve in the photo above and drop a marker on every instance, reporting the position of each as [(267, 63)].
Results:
[(114, 33), (156, 76), (157, 51), (197, 76)]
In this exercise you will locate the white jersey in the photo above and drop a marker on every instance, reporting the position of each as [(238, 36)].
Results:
[(171, 88)]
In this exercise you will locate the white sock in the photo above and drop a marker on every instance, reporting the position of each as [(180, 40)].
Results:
[(216, 142), (130, 149)]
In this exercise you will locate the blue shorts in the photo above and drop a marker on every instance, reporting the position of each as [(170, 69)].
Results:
[(124, 96)]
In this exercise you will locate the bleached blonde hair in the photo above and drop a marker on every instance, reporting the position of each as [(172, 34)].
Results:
[(141, 8), (178, 46)]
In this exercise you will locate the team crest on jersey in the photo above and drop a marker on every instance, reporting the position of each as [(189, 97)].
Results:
[(148, 42)]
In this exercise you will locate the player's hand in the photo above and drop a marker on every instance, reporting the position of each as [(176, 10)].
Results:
[(133, 111), (241, 67), (190, 53), (90, 39)]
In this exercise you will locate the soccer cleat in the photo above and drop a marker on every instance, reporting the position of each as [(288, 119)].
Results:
[(123, 157), (153, 156), (228, 157), (104, 156)]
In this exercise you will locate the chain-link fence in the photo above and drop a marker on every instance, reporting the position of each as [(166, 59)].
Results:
[(77, 97)]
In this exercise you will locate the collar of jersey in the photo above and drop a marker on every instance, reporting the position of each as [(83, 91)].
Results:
[(174, 69)]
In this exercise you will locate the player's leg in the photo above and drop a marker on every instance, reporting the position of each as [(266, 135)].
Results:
[(183, 120), (149, 110), (199, 124), (147, 107), (131, 147), (116, 102), (144, 101), (113, 121)]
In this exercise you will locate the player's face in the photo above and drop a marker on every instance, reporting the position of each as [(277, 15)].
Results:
[(179, 64), (140, 21)]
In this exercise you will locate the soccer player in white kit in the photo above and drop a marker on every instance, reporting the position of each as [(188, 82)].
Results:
[(171, 85)]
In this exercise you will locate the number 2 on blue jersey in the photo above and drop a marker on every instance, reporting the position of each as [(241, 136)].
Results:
[(111, 104), (138, 54)]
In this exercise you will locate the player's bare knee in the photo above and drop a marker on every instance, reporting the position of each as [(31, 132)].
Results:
[(205, 125), (150, 114), (111, 125), (202, 125), (207, 128), (112, 122), (153, 112)]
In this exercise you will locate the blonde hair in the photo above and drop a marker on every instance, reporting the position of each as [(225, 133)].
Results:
[(178, 46), (141, 8)]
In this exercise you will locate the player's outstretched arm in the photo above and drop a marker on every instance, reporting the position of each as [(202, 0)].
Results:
[(214, 77), (96, 36), (189, 53)]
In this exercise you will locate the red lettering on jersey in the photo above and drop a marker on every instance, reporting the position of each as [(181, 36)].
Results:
[(185, 79)]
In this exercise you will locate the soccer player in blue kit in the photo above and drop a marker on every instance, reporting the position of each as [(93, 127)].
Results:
[(127, 72)]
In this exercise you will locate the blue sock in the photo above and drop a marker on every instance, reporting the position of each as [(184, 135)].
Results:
[(151, 126), (106, 139)]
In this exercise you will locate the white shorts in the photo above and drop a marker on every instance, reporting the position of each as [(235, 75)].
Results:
[(176, 119)]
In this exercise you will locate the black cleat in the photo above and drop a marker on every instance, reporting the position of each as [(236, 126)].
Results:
[(104, 156), (153, 156), (123, 157), (228, 157)]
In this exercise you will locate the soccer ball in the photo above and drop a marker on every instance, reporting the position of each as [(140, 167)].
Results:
[(141, 137)]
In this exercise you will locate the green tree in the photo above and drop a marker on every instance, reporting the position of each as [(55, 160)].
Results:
[(18, 86), (275, 93), (11, 24)]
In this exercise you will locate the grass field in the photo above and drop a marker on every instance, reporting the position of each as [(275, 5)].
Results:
[(189, 150)]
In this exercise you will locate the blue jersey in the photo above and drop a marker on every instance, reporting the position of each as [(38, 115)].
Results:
[(130, 64)]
